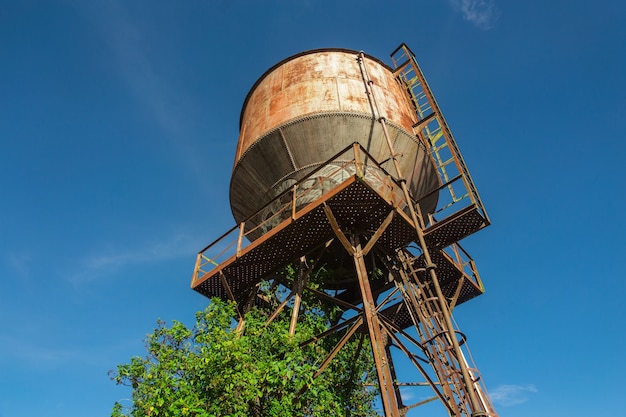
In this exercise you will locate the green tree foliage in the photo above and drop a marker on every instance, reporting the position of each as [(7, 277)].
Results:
[(212, 369)]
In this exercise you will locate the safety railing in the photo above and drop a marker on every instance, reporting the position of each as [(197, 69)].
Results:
[(354, 160), (464, 262), (458, 257)]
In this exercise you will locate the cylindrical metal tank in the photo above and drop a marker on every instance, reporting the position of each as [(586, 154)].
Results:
[(309, 107)]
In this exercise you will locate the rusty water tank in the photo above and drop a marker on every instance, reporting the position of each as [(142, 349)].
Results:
[(308, 108)]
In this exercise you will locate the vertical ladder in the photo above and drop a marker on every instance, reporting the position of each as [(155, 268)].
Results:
[(427, 315), (433, 130)]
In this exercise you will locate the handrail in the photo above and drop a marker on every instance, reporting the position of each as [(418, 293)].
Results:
[(289, 202)]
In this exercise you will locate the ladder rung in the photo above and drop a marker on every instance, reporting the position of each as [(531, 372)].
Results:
[(425, 120)]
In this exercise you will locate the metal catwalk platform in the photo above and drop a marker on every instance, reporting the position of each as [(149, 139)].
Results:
[(357, 204)]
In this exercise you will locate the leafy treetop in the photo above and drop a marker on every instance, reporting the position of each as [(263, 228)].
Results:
[(213, 369)]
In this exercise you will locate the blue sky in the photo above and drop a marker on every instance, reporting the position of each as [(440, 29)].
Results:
[(118, 127)]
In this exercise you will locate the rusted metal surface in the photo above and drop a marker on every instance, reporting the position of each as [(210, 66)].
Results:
[(335, 161), (466, 385), (379, 346), (365, 198), (319, 81), (308, 108)]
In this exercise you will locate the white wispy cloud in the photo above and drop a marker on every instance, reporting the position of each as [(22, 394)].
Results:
[(138, 54), (481, 13), (32, 353), (43, 352), (170, 248), (20, 263), (407, 394), (509, 395), (153, 75), (107, 261)]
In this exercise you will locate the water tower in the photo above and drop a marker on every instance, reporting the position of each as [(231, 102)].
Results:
[(346, 161)]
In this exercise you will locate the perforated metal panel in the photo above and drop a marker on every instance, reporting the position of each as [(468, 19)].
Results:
[(356, 206)]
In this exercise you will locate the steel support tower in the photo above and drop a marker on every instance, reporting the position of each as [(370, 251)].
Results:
[(402, 270)]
